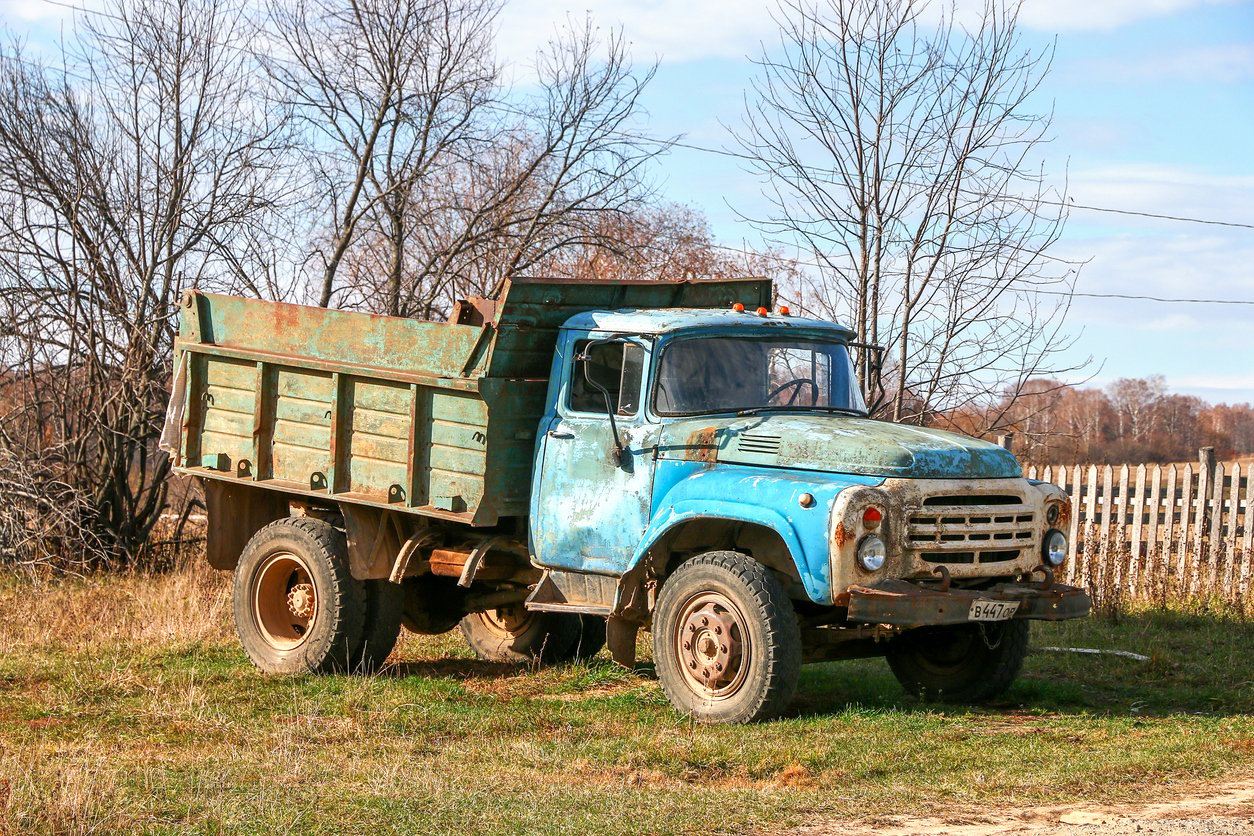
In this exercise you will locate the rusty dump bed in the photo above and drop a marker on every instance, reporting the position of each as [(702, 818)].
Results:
[(430, 418)]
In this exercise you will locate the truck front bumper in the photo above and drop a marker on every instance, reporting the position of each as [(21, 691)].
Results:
[(906, 604)]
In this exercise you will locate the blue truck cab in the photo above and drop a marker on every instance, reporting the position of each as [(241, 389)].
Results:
[(714, 474)]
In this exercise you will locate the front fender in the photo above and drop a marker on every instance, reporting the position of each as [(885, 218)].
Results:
[(686, 491)]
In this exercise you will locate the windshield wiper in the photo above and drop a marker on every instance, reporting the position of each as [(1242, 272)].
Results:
[(840, 410)]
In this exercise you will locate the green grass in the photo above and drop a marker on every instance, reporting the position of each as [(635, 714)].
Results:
[(125, 704)]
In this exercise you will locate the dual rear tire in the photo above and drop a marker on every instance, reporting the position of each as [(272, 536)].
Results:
[(299, 610)]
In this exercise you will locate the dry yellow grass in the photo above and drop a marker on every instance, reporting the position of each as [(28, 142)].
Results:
[(192, 604)]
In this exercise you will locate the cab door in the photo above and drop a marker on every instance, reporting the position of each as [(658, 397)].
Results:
[(590, 506)]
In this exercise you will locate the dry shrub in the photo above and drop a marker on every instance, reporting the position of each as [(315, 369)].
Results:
[(45, 522)]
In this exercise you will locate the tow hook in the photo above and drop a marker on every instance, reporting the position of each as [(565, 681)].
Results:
[(1047, 581)]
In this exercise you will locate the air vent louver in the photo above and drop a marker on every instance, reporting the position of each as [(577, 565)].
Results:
[(762, 445)]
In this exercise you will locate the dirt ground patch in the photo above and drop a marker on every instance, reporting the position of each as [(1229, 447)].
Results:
[(1218, 809)]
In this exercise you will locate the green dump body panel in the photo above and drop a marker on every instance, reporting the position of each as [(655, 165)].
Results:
[(423, 417)]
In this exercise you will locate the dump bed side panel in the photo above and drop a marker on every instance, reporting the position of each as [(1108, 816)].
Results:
[(429, 418)]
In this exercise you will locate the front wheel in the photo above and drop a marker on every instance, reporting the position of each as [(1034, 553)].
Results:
[(965, 663), (726, 642)]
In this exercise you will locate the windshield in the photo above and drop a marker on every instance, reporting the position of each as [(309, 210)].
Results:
[(737, 373)]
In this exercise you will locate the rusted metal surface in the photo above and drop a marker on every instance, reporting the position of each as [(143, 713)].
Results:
[(712, 644), (237, 512), (907, 604), (374, 541), (972, 528)]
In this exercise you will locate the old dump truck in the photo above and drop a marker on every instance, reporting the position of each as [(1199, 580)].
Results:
[(571, 462)]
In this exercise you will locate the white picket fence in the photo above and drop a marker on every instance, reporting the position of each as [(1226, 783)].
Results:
[(1151, 530)]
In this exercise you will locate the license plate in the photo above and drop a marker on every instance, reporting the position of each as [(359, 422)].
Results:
[(982, 610)]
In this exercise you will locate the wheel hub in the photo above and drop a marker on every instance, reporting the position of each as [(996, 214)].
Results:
[(711, 645), (300, 600)]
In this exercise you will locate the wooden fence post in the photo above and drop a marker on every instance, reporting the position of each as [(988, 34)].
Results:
[(1152, 563), (1205, 488), (1138, 514), (1247, 534), (1077, 494), (1121, 527), (1186, 509), (1214, 539), (1090, 527), (1234, 509)]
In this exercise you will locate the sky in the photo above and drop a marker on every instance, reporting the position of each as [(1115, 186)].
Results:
[(1153, 104)]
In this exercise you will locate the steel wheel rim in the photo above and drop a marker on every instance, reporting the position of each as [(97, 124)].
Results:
[(507, 622), (285, 600), (713, 645)]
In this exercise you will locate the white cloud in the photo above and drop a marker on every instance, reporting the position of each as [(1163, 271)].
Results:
[(683, 30), (1219, 63), (1076, 15), (33, 11), (668, 29)]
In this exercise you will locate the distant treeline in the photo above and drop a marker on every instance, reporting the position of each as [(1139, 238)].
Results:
[(1130, 420)]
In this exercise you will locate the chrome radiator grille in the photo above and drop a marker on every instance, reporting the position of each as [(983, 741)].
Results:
[(971, 529)]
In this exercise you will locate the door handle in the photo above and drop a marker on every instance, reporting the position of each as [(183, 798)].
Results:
[(560, 434)]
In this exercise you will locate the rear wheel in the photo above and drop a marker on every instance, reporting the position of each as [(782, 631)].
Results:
[(297, 609), (432, 604), (963, 663), (516, 634), (726, 641), (385, 603)]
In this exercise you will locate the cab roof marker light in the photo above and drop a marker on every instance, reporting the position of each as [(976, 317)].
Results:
[(762, 312), (738, 307)]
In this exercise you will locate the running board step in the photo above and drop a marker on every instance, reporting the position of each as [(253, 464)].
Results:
[(578, 592)]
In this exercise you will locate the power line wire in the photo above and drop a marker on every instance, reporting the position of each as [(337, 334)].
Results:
[(1144, 298), (722, 152)]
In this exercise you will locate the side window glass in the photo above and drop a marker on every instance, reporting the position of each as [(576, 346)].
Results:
[(616, 366)]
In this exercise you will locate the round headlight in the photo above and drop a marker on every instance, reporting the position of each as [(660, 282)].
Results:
[(1054, 549), (871, 553)]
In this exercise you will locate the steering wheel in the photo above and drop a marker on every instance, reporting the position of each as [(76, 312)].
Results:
[(797, 383)]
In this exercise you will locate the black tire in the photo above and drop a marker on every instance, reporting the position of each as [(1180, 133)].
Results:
[(961, 664), (590, 640), (385, 604), (297, 608), (432, 604), (515, 634), (740, 599)]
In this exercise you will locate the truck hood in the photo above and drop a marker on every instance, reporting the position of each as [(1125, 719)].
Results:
[(837, 444)]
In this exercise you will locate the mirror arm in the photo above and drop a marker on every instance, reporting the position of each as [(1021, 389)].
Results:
[(620, 454)]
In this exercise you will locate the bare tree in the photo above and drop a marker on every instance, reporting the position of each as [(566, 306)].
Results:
[(434, 178), (901, 155), (135, 168)]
